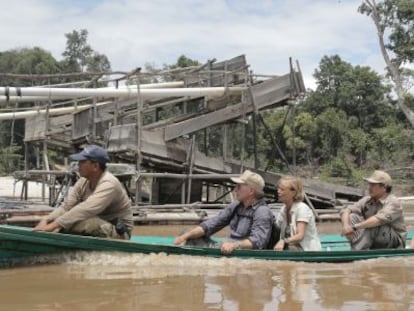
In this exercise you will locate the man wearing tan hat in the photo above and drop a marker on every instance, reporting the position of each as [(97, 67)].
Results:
[(249, 218), (376, 221)]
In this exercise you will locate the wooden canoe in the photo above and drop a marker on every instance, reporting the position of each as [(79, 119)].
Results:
[(19, 243)]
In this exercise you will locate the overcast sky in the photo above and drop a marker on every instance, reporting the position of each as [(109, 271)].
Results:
[(133, 32)]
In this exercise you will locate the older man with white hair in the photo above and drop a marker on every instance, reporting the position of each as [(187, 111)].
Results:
[(249, 218), (377, 220)]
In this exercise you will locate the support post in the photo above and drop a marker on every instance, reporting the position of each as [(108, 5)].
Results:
[(26, 167), (45, 157), (225, 141), (139, 136), (293, 113), (116, 112), (190, 168), (94, 115), (256, 161)]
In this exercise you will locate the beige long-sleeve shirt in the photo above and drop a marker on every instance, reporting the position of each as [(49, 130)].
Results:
[(108, 201)]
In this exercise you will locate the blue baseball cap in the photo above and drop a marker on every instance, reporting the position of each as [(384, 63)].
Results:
[(92, 153)]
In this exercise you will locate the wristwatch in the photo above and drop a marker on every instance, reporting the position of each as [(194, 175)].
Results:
[(353, 227)]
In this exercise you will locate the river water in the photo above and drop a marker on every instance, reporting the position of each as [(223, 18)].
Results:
[(114, 281)]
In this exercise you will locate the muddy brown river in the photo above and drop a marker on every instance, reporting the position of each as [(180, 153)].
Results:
[(115, 281)]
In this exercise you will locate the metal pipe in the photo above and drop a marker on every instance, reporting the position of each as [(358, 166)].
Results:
[(18, 99), (52, 112), (174, 84), (129, 92)]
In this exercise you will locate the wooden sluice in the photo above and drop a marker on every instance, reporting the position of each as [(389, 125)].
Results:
[(158, 157)]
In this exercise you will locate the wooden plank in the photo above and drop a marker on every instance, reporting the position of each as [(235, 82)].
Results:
[(82, 124), (264, 95), (271, 92), (322, 189), (236, 65), (195, 124), (122, 139), (232, 64), (35, 126)]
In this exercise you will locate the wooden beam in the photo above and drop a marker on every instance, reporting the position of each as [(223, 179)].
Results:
[(264, 95), (123, 139)]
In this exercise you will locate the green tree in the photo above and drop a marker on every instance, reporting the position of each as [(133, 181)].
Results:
[(306, 137), (338, 120), (356, 90), (183, 62), (392, 144), (79, 55), (331, 125), (20, 61), (330, 75), (26, 61), (394, 21), (10, 158), (357, 143), (276, 122), (97, 63), (77, 51)]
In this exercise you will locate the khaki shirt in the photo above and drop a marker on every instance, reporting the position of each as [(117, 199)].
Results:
[(388, 210), (108, 201)]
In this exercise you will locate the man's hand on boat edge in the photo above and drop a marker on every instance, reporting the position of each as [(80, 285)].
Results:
[(48, 227), (348, 232)]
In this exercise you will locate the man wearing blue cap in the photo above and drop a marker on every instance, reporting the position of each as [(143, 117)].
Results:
[(97, 205)]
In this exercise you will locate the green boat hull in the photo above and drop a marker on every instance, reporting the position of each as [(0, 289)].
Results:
[(17, 244)]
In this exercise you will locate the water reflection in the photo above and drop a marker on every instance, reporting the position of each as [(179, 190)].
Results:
[(240, 292), (96, 281), (376, 284), (383, 284)]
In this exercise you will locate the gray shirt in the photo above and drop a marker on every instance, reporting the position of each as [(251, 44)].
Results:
[(252, 222)]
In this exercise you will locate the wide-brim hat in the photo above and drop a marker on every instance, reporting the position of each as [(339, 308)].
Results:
[(251, 179), (379, 177)]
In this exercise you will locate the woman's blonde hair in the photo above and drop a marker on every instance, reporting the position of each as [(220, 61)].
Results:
[(294, 184)]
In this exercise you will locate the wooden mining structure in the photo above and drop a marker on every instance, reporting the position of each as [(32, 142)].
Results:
[(159, 157)]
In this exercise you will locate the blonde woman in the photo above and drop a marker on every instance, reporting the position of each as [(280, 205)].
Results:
[(296, 220)]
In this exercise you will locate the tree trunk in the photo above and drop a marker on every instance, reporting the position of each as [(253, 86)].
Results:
[(394, 71)]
